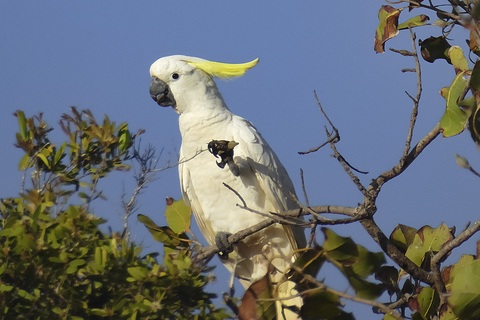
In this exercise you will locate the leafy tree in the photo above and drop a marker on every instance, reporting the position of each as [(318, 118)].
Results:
[(56, 263)]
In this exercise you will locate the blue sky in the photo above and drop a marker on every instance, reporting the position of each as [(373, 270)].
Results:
[(97, 55)]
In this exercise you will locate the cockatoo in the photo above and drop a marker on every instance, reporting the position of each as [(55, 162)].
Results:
[(254, 171)]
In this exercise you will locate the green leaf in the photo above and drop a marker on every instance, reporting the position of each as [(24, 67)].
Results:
[(427, 241), (454, 120), (178, 216), (337, 248), (59, 154), (22, 123), (426, 303), (365, 289), (5, 288), (464, 297), (310, 261), (73, 265), (100, 312), (101, 257), (320, 304), (163, 234), (24, 294), (457, 58), (402, 236), (44, 159), (347, 256), (125, 138), (138, 273), (416, 21), (368, 262), (457, 268), (25, 163)]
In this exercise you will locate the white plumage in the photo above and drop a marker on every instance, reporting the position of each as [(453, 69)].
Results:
[(186, 84)]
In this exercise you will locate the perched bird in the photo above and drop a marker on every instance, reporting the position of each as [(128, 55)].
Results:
[(254, 172)]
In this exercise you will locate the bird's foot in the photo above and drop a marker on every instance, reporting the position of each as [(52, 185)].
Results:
[(224, 150), (224, 247)]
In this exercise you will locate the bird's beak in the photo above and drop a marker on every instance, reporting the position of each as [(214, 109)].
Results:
[(160, 92)]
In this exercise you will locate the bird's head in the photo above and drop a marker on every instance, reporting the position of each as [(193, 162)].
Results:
[(178, 81)]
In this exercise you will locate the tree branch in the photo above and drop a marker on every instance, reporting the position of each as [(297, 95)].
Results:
[(355, 214), (394, 253)]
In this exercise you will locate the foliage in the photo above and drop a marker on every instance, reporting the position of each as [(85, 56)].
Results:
[(56, 263), (460, 111), (445, 293)]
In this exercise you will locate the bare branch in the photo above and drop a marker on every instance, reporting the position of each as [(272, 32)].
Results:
[(348, 169), (331, 138), (416, 100)]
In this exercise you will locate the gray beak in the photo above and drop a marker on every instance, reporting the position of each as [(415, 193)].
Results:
[(160, 92)]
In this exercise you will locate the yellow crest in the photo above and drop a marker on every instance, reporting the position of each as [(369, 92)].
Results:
[(221, 69)]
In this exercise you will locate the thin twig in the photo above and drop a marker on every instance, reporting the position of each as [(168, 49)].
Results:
[(321, 286), (305, 194), (348, 169), (416, 100), (244, 204), (332, 138), (180, 161), (148, 163), (430, 7)]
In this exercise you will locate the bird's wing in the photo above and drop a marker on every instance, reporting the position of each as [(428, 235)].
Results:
[(271, 175), (190, 198)]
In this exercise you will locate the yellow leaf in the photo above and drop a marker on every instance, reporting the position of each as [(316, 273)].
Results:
[(458, 59), (178, 216), (387, 27)]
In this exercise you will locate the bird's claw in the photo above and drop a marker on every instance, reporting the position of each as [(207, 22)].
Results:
[(224, 247), (224, 150)]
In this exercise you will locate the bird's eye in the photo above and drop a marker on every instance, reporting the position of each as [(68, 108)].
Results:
[(175, 76)]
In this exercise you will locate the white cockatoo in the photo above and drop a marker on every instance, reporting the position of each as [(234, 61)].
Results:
[(254, 171)]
